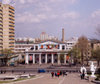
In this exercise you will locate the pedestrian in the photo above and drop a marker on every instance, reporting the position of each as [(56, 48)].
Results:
[(83, 74), (55, 74), (58, 73), (52, 74), (63, 73), (66, 73)]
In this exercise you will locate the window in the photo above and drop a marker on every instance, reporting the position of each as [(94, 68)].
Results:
[(36, 47), (63, 47)]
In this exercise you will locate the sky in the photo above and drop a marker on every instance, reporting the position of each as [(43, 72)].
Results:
[(77, 17)]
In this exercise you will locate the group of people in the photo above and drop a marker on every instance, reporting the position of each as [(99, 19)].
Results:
[(59, 73)]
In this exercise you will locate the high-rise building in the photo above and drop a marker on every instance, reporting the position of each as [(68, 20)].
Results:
[(7, 24), (1, 28)]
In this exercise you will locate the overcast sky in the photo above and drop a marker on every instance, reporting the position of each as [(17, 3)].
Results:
[(77, 17)]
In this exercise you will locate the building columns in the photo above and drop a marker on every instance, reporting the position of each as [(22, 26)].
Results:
[(45, 58), (33, 58), (52, 59), (26, 58), (39, 58), (58, 58), (65, 58)]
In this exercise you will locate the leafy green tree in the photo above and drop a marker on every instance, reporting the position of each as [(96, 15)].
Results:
[(62, 53), (82, 45), (96, 55), (76, 53), (6, 54)]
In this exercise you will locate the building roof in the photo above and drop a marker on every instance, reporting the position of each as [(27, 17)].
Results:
[(56, 41)]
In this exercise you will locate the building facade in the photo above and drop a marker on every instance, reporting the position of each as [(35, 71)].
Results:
[(48, 51), (71, 42), (1, 28), (21, 44), (7, 24), (45, 36)]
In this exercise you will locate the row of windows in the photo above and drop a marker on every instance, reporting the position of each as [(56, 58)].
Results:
[(20, 50), (11, 15), (11, 9), (11, 33), (11, 36), (24, 43), (70, 43), (11, 26)]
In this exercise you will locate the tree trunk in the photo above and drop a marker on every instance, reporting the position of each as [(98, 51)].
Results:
[(98, 62), (87, 62), (82, 58)]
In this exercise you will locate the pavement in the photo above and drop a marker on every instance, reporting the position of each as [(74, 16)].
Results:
[(45, 78)]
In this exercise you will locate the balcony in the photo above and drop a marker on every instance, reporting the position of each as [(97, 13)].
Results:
[(12, 31), (10, 10), (12, 45), (12, 18), (1, 15), (12, 28), (11, 21), (1, 30), (11, 14), (0, 11), (11, 37), (1, 33)]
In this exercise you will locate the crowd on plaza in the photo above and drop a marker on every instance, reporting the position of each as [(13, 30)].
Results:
[(59, 73)]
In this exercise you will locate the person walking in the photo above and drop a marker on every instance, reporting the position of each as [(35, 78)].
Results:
[(83, 74), (52, 74), (58, 73), (55, 74), (63, 73)]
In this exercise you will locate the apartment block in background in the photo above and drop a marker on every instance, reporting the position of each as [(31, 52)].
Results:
[(1, 28), (8, 26)]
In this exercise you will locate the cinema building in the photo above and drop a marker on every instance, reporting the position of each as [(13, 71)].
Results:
[(48, 51)]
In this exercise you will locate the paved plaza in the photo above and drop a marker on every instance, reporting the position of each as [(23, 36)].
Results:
[(46, 78)]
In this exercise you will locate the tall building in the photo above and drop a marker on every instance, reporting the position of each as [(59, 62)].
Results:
[(7, 24), (45, 36), (63, 35), (1, 28)]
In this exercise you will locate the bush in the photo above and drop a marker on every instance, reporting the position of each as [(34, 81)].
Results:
[(88, 72), (97, 79)]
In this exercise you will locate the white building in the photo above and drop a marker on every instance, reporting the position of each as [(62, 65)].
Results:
[(71, 42), (45, 36), (46, 52), (21, 44)]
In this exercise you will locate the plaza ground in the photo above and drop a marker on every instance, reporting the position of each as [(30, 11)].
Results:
[(45, 78)]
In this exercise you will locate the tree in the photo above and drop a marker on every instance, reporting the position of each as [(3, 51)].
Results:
[(62, 53), (6, 54), (82, 45), (96, 55), (98, 30), (76, 53)]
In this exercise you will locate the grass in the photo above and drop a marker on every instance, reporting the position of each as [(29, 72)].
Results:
[(20, 79)]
